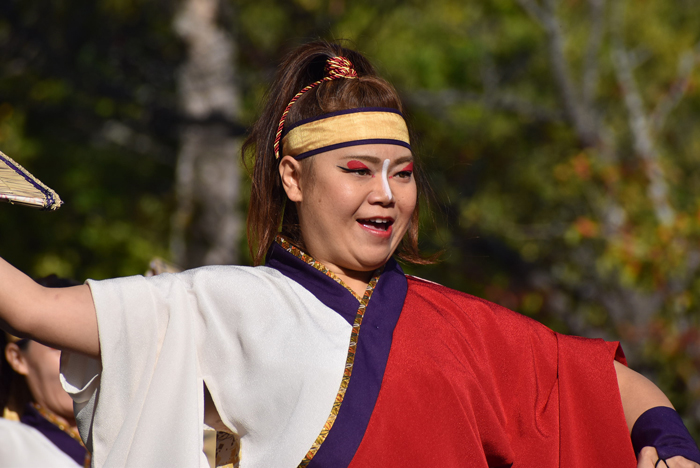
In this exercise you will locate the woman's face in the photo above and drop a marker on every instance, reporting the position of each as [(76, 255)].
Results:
[(356, 205), (40, 366)]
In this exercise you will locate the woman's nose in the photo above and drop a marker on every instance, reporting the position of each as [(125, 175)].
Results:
[(381, 189)]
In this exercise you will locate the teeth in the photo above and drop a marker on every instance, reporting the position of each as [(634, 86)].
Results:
[(378, 220)]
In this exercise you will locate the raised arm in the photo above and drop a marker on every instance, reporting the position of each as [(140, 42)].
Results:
[(62, 318)]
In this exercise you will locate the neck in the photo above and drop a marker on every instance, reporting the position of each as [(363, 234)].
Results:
[(356, 280), (55, 418)]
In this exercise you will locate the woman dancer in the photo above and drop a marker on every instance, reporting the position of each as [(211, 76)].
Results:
[(329, 355)]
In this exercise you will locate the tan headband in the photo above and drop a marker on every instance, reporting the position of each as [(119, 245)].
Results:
[(351, 127)]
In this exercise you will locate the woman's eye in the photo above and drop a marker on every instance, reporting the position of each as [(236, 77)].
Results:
[(406, 172), (348, 170), (356, 167)]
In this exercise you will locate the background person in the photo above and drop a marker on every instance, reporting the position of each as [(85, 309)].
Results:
[(31, 393)]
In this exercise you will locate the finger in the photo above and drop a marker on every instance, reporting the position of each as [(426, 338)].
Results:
[(680, 462), (648, 458)]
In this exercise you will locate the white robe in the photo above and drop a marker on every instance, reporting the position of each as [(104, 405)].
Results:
[(271, 354), (22, 446)]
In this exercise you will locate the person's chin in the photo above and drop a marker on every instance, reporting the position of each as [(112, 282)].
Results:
[(372, 262)]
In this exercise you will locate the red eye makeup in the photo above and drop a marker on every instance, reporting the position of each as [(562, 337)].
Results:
[(354, 165)]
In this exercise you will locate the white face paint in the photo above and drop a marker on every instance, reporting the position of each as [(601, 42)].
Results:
[(385, 180)]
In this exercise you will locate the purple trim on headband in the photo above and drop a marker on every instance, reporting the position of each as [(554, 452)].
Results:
[(340, 112), (661, 427), (373, 347), (368, 141), (50, 200), (60, 439)]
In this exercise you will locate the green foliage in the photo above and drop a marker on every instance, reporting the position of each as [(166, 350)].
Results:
[(87, 104)]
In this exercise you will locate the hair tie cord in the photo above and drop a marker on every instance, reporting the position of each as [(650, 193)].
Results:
[(336, 68)]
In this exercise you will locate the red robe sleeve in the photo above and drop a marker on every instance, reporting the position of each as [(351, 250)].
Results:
[(471, 384), (592, 426)]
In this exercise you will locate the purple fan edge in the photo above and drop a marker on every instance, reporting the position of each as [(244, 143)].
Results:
[(49, 197)]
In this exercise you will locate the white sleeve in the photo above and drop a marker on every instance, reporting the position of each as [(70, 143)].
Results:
[(272, 355), (143, 406)]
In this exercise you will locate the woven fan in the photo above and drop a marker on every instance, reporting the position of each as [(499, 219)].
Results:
[(18, 186)]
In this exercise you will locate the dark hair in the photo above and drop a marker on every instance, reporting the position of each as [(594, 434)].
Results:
[(53, 281), (269, 207), (14, 392)]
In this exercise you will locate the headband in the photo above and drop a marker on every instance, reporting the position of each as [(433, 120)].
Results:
[(351, 127)]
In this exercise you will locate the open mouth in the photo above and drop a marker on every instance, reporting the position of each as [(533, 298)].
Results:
[(378, 224)]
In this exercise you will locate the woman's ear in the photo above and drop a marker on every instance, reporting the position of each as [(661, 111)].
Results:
[(16, 359), (290, 173)]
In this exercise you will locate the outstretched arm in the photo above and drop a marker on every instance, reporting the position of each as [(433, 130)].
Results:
[(639, 394), (62, 318)]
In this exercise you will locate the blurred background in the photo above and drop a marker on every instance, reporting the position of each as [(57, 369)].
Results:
[(560, 136)]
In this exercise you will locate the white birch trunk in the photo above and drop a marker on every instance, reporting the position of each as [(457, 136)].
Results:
[(207, 223)]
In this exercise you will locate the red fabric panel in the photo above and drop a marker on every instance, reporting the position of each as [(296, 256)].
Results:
[(472, 384), (590, 399)]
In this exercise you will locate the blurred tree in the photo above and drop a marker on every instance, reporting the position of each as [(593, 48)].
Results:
[(207, 222), (87, 103)]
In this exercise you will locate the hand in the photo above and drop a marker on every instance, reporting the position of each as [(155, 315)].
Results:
[(648, 458)]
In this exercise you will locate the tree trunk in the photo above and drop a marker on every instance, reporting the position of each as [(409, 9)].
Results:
[(207, 222)]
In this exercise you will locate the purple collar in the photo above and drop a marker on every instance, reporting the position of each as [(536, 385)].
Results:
[(60, 439), (374, 344)]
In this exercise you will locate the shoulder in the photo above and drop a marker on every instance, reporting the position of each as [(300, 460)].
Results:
[(471, 314), (451, 301), (204, 289), (218, 274), (217, 277)]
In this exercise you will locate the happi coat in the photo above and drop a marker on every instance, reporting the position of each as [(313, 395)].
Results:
[(305, 373)]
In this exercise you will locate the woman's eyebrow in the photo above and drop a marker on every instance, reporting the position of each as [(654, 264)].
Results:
[(369, 159), (376, 160)]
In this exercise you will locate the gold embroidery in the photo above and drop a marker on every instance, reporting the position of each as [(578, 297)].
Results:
[(308, 259), (352, 348)]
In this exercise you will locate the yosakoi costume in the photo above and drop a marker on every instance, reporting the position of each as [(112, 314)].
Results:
[(305, 373)]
